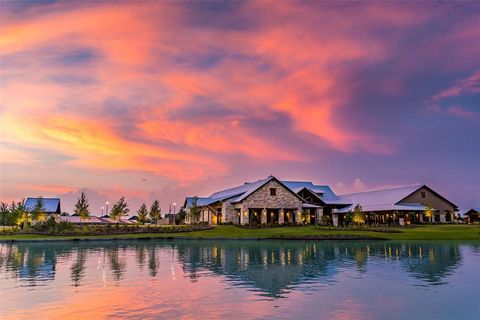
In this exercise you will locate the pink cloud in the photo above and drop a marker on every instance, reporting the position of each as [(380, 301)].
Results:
[(470, 85), (284, 64), (460, 111)]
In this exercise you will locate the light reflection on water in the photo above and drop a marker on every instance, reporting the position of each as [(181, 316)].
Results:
[(239, 279)]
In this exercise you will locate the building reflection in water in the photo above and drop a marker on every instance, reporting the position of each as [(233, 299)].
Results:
[(270, 268)]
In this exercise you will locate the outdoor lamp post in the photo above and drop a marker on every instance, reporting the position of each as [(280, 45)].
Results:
[(106, 211), (102, 210)]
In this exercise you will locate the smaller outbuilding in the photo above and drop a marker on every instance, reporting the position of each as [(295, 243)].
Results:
[(473, 215), (75, 219), (50, 205)]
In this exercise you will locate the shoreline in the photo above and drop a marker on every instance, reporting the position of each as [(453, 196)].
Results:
[(301, 233), (149, 238)]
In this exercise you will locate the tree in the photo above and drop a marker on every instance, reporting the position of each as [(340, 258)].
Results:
[(194, 210), (4, 213), (429, 213), (38, 212), (155, 212), (81, 207), (142, 214), (349, 218), (181, 215), (119, 210), (358, 215), (18, 214)]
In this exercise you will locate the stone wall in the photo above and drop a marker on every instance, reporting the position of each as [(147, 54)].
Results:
[(262, 198), (228, 213)]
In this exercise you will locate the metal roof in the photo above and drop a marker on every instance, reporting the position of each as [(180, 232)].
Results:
[(471, 210), (309, 205), (201, 202), (50, 205), (247, 187), (239, 193), (377, 200), (76, 219), (325, 193), (253, 187), (387, 207), (383, 196), (382, 200)]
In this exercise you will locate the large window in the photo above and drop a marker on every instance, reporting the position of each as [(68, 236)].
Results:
[(423, 194)]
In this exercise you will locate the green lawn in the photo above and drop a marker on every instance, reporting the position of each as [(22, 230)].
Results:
[(430, 232)]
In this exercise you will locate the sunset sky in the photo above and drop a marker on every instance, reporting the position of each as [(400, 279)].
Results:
[(168, 99)]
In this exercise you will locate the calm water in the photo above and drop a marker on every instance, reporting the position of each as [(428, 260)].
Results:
[(240, 279)]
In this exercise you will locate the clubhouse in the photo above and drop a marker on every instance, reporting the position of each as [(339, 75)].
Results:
[(273, 201)]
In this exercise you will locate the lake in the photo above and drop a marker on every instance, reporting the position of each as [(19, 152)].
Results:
[(206, 279)]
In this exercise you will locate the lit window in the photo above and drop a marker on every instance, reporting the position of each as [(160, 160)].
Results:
[(423, 194), (273, 191)]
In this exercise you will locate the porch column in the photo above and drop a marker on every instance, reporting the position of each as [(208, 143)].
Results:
[(443, 217), (335, 219), (264, 216), (224, 213), (246, 218), (242, 216), (281, 216), (420, 217), (318, 216), (298, 217)]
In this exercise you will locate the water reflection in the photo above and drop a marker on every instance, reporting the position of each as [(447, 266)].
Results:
[(269, 268)]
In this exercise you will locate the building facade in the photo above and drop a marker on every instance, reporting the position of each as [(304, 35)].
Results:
[(272, 201)]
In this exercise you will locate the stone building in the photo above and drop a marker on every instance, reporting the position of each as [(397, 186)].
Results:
[(272, 201)]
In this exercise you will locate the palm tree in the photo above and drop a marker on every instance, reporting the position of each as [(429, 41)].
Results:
[(155, 212), (142, 214), (81, 207), (119, 210)]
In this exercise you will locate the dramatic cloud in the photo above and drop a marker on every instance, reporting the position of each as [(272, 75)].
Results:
[(177, 98)]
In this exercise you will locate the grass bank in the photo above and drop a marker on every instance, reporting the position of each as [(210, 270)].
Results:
[(424, 232)]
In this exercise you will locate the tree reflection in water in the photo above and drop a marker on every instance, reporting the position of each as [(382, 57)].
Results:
[(78, 267), (117, 265), (271, 268)]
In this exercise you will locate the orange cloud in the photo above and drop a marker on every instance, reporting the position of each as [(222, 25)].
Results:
[(267, 66)]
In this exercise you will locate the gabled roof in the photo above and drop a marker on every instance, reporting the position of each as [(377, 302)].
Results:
[(324, 192), (236, 194), (472, 211), (381, 197), (387, 199), (49, 204), (260, 183), (201, 202), (246, 188)]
